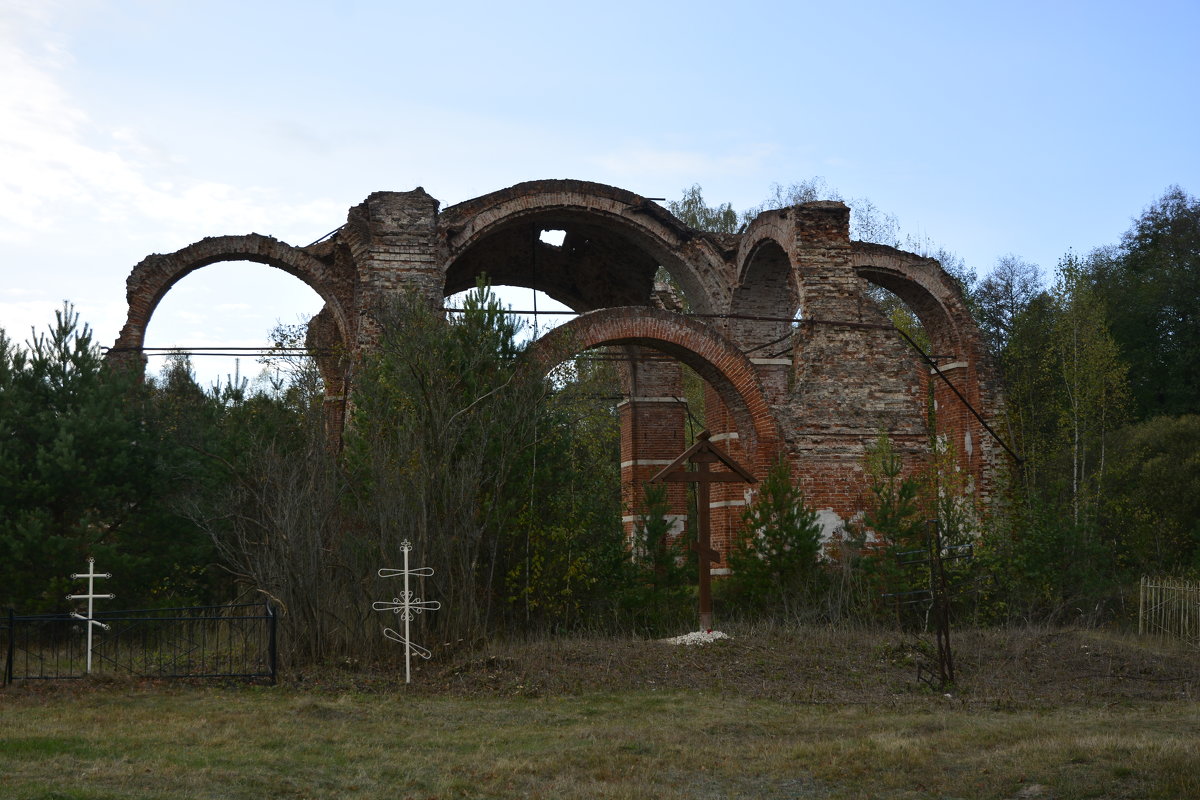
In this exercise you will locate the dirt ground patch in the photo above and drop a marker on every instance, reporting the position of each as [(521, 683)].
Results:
[(999, 668)]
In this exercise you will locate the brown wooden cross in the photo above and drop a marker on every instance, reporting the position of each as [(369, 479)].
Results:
[(703, 453)]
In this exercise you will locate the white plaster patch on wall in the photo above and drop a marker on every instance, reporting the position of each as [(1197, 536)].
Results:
[(830, 523), (727, 504), (678, 522)]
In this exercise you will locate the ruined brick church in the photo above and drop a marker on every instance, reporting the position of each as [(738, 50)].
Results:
[(798, 360)]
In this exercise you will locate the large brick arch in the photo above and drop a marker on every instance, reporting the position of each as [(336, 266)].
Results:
[(701, 347), (156, 274), (963, 360), (926, 288), (626, 234)]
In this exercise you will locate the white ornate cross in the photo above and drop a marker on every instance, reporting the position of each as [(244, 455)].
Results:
[(91, 596), (407, 606)]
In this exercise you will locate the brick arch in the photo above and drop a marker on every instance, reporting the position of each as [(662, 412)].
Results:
[(775, 225), (954, 336), (694, 343), (927, 289), (766, 298), (156, 274), (498, 233)]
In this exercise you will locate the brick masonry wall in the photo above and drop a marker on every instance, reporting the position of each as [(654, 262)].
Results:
[(803, 364), (653, 416)]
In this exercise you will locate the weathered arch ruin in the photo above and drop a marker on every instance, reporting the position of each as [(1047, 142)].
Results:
[(156, 274), (961, 358), (715, 358), (798, 359)]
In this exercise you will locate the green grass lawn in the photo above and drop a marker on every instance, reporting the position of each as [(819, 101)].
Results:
[(120, 740)]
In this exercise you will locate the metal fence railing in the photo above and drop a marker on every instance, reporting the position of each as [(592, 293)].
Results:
[(233, 641), (1170, 608)]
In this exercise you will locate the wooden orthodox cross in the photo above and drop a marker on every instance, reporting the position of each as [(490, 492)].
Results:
[(702, 454)]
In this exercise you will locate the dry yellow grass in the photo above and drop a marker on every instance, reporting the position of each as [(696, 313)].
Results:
[(191, 742), (365, 736)]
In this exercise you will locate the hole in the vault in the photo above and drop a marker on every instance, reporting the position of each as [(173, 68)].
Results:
[(553, 237), (522, 302)]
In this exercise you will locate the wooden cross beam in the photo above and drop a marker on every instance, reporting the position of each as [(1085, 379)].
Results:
[(703, 454)]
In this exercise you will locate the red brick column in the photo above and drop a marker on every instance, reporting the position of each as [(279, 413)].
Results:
[(954, 421), (652, 417)]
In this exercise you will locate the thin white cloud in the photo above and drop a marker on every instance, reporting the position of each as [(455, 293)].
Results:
[(36, 124), (60, 164), (191, 316), (18, 320)]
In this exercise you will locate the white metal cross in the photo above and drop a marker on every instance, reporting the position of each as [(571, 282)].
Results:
[(91, 596), (407, 606)]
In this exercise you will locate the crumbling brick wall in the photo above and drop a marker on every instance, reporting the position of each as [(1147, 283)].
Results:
[(799, 361)]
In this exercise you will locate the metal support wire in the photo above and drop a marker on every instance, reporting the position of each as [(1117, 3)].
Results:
[(782, 352), (222, 351), (695, 423), (326, 236), (765, 345), (230, 351), (929, 360)]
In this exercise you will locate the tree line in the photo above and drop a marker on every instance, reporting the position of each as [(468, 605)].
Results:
[(1100, 371)]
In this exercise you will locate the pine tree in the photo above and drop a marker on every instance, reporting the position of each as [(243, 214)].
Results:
[(776, 562)]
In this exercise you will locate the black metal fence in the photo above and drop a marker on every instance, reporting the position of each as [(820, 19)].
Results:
[(236, 641)]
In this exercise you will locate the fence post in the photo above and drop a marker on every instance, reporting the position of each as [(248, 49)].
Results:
[(12, 638), (272, 621), (1142, 608)]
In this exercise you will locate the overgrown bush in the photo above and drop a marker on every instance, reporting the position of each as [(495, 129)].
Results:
[(503, 481)]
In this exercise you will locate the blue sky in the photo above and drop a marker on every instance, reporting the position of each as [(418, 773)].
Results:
[(134, 127)]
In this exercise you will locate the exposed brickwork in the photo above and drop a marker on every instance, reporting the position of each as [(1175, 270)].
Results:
[(957, 350), (798, 360), (653, 416), (333, 362), (394, 243), (615, 242), (156, 274)]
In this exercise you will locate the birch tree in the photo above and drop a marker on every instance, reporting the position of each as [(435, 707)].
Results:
[(1084, 359)]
